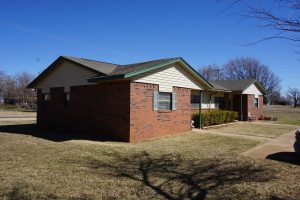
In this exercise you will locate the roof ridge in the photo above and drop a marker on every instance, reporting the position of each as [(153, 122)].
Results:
[(87, 59), (138, 63), (247, 79), (100, 61)]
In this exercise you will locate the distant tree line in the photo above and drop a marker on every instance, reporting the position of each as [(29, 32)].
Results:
[(250, 68), (14, 91)]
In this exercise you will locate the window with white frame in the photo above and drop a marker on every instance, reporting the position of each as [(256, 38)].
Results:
[(164, 101), (255, 102)]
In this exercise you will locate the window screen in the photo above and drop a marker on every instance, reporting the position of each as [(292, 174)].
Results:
[(165, 101)]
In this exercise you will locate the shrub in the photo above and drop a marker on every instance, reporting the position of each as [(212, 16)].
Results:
[(214, 117)]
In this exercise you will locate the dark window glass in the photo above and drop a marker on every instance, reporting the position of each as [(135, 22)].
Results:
[(220, 101), (195, 101), (255, 102)]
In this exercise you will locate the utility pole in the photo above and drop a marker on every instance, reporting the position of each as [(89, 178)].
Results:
[(217, 70)]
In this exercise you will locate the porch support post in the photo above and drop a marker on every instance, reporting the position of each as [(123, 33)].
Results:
[(200, 109), (241, 107)]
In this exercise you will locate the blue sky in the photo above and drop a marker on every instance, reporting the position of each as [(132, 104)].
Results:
[(34, 33)]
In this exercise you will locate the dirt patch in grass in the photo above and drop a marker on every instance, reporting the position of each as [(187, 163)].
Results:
[(188, 166), (255, 129), (285, 114)]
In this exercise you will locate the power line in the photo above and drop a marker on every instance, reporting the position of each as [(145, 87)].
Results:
[(56, 37)]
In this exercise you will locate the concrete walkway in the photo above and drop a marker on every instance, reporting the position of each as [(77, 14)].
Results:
[(279, 149), (283, 143), (259, 138)]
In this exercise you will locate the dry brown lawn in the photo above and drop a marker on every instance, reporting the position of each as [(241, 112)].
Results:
[(285, 114), (40, 165)]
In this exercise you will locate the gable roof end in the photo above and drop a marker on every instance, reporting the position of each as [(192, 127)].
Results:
[(261, 87), (109, 71), (100, 68), (127, 71), (238, 85)]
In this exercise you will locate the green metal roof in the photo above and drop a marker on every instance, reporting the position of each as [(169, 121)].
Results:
[(127, 71), (108, 71)]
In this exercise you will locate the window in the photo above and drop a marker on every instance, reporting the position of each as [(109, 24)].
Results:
[(67, 100), (220, 101), (164, 101), (255, 102), (195, 101)]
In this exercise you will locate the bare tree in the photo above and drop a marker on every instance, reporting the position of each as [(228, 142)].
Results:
[(280, 16), (24, 95), (294, 95), (250, 68), (3, 78), (9, 92), (278, 99), (211, 72)]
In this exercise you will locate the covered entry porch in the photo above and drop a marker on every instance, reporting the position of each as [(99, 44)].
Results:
[(206, 101)]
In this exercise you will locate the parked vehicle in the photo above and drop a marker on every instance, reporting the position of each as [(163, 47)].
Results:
[(297, 142)]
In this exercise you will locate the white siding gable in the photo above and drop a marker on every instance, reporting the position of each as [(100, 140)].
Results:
[(166, 78), (252, 90), (65, 75)]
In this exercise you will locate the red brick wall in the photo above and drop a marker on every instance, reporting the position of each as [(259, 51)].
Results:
[(247, 106), (146, 123), (120, 110), (256, 112), (94, 109)]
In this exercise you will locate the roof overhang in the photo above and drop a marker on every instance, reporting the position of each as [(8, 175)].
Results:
[(151, 68), (259, 86), (217, 90), (53, 67)]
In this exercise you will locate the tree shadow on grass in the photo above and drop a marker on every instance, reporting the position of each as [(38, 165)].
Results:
[(22, 191), (35, 131), (27, 192), (287, 157), (171, 177)]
